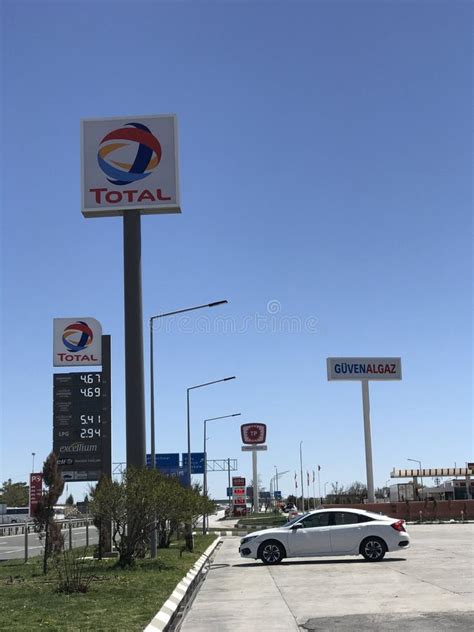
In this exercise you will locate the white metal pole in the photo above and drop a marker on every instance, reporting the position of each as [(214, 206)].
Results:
[(255, 481), (301, 473), (204, 518), (368, 441)]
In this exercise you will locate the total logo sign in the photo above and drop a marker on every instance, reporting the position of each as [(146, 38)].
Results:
[(77, 342), (129, 164)]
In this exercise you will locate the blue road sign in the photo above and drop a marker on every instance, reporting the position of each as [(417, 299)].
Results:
[(181, 474), (277, 495), (197, 462), (166, 462), (229, 492)]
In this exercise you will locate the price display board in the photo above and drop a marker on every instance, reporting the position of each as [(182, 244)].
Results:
[(81, 424), (36, 491)]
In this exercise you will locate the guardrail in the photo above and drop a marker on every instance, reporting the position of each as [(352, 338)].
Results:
[(24, 528), (18, 528)]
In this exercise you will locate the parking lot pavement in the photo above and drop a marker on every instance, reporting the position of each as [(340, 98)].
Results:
[(429, 587)]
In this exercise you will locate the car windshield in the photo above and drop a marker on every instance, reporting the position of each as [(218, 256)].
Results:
[(297, 519)]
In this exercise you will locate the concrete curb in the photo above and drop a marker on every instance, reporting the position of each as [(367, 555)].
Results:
[(162, 620)]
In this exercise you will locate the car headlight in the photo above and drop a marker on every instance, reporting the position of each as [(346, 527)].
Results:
[(247, 539)]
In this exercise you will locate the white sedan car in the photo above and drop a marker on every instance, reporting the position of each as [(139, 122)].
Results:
[(328, 532)]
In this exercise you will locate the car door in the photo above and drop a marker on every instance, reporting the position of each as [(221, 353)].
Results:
[(345, 532), (312, 538)]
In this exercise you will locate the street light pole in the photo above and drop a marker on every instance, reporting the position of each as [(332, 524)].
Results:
[(276, 482), (188, 529), (33, 454), (152, 382), (301, 473), (204, 518), (188, 424), (153, 546)]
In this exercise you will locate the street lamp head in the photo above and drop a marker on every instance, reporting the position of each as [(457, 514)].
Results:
[(222, 417), (216, 303), (226, 379)]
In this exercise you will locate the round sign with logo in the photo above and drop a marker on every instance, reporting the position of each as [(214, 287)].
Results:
[(253, 433)]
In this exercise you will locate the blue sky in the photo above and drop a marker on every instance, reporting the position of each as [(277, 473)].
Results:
[(325, 178)]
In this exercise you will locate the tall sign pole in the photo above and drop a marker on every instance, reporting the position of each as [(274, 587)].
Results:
[(134, 371), (253, 438), (255, 480), (363, 370), (130, 168), (368, 442)]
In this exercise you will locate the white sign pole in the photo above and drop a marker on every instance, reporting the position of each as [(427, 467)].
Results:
[(255, 481), (368, 442), (365, 369)]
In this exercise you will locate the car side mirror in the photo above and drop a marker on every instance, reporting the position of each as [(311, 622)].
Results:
[(297, 526)]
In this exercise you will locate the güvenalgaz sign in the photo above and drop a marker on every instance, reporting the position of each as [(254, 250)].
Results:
[(129, 163), (364, 368)]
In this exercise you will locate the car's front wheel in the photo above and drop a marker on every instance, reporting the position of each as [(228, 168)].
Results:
[(271, 552), (373, 549)]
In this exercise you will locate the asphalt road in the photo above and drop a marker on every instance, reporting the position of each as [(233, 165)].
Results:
[(426, 588), (13, 546)]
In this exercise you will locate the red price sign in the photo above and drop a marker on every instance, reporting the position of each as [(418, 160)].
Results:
[(36, 491), (238, 491), (239, 501), (238, 481)]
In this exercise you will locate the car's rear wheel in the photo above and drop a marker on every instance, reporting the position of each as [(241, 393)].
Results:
[(373, 549), (271, 552)]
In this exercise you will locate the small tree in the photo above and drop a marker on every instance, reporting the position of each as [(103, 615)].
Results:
[(44, 515), (134, 504), (129, 505), (70, 500), (357, 491), (14, 494)]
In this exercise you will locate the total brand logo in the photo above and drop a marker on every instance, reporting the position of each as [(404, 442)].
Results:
[(76, 338), (126, 155), (145, 158)]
